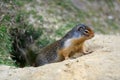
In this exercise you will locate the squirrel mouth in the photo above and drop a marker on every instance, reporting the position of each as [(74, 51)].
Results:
[(89, 36)]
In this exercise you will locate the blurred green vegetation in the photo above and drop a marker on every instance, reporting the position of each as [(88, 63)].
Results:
[(13, 18), (5, 46), (13, 14)]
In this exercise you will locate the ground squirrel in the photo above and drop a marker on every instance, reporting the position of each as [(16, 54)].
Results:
[(71, 43)]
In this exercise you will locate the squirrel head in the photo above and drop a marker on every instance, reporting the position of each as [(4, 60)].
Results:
[(82, 30)]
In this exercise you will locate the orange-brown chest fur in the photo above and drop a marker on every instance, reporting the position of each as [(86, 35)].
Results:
[(76, 46)]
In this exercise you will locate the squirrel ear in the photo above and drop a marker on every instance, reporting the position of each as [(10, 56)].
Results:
[(80, 29)]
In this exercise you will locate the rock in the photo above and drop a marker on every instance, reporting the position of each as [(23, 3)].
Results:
[(102, 64)]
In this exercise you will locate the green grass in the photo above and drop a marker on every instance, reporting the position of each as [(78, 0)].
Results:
[(12, 18), (5, 46)]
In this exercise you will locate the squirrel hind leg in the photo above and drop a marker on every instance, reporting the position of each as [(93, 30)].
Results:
[(40, 62), (65, 53)]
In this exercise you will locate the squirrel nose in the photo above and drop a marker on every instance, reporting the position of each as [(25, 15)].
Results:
[(92, 35)]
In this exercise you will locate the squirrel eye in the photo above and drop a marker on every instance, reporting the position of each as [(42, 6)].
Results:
[(86, 31)]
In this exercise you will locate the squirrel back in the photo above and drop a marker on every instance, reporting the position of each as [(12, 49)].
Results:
[(48, 53)]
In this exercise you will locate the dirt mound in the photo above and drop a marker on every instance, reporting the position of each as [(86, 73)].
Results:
[(102, 64)]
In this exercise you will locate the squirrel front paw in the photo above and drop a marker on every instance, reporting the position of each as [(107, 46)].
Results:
[(87, 52), (66, 58)]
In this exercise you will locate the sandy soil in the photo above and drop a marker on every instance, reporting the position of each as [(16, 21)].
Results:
[(102, 64)]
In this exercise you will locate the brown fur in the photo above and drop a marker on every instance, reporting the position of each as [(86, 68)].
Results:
[(59, 50), (77, 46)]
